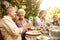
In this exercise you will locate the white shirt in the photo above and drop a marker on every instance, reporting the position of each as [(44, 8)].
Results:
[(39, 22)]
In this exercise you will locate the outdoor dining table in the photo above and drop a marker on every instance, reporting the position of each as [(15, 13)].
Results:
[(34, 37), (52, 34), (31, 36)]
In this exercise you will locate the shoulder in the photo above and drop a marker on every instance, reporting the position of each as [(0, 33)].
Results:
[(5, 18), (17, 21), (27, 20), (37, 19), (2, 21)]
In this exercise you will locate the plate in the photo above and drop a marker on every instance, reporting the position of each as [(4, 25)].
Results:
[(33, 33), (33, 28), (45, 37), (55, 30)]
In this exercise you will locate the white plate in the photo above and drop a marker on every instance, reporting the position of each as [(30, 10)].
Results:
[(47, 38), (31, 33), (56, 30)]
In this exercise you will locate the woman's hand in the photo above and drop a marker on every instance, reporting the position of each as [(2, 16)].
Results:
[(25, 28)]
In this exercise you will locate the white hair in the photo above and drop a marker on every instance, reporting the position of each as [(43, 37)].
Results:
[(21, 10), (11, 9)]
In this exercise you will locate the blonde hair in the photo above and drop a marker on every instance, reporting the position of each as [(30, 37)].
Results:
[(41, 13)]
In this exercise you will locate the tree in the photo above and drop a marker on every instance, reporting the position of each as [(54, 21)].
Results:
[(31, 6)]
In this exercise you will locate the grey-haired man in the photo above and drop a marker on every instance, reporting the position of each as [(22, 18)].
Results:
[(8, 27)]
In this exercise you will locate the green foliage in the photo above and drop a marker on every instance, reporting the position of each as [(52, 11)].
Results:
[(2, 9), (55, 11), (31, 6)]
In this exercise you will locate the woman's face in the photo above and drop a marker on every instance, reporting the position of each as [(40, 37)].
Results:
[(55, 18), (21, 15), (43, 14)]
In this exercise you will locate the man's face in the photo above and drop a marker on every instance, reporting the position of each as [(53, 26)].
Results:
[(12, 14)]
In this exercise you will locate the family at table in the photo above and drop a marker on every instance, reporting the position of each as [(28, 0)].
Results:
[(11, 30)]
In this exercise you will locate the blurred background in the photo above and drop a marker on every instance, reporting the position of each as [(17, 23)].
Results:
[(32, 7)]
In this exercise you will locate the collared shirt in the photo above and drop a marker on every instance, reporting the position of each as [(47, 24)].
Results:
[(39, 22), (9, 29)]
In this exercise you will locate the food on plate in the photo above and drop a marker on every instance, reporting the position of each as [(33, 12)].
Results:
[(42, 38), (35, 31), (33, 27)]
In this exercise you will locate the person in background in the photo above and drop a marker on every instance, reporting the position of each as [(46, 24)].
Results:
[(55, 21), (8, 28), (22, 21), (59, 21), (40, 20)]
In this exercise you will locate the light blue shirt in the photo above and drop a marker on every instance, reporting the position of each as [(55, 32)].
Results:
[(39, 22)]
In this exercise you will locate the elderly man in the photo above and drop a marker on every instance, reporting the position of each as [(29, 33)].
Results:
[(8, 28)]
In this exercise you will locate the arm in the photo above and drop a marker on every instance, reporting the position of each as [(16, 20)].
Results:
[(11, 28), (39, 22), (26, 27)]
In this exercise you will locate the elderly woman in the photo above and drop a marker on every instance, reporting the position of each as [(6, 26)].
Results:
[(21, 22), (40, 20)]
